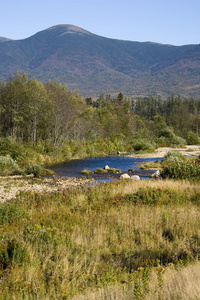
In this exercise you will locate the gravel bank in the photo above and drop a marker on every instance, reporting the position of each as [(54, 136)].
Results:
[(188, 150), (12, 185)]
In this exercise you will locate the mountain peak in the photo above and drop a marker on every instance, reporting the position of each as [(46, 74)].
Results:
[(93, 64), (67, 28)]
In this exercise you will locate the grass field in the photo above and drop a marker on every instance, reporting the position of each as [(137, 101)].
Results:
[(119, 240)]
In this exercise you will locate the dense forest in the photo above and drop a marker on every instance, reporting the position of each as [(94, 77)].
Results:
[(52, 119)]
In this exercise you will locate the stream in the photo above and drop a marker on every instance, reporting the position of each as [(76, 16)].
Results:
[(74, 167)]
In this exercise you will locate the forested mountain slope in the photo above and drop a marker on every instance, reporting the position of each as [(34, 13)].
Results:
[(93, 64)]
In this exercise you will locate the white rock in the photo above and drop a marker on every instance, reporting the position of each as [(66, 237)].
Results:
[(135, 177), (156, 174), (124, 176), (106, 167)]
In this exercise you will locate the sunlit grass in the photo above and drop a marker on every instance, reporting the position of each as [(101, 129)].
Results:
[(81, 240)]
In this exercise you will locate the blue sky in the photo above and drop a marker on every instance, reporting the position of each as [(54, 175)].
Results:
[(175, 22)]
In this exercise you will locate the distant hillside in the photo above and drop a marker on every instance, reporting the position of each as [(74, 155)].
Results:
[(93, 64)]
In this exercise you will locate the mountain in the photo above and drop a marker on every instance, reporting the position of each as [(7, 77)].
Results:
[(94, 64)]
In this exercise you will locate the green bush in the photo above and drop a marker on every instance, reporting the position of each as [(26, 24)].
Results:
[(113, 170), (100, 171), (153, 196), (173, 157), (143, 145), (188, 169), (11, 148), (12, 251), (167, 137), (8, 166), (34, 169), (192, 138), (86, 172)]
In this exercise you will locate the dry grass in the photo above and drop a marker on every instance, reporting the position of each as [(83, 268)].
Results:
[(183, 284), (94, 241)]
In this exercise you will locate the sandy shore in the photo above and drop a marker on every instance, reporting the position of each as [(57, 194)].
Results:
[(188, 150), (12, 185)]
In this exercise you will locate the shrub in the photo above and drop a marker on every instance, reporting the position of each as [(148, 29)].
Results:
[(100, 171), (188, 169), (34, 169), (173, 157), (86, 172), (113, 170), (143, 145), (153, 196), (167, 137), (192, 138), (12, 251), (11, 148), (8, 166), (48, 172)]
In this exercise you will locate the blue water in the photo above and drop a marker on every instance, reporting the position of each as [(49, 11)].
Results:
[(74, 167)]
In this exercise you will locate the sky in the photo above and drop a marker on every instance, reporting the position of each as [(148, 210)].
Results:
[(175, 22)]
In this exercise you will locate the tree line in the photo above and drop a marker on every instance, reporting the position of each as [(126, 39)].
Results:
[(31, 112), (182, 115)]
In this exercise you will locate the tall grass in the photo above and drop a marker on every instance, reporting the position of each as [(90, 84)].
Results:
[(176, 283), (109, 238)]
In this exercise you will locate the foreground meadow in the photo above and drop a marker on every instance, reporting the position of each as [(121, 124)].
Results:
[(119, 240)]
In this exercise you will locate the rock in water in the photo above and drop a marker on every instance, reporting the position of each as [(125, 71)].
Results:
[(124, 176), (135, 177), (106, 167), (156, 174)]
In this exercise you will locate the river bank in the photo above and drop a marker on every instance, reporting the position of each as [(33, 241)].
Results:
[(10, 186), (188, 150)]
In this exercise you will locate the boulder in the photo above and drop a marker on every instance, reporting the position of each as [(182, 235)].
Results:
[(124, 176), (106, 167), (156, 174), (135, 177)]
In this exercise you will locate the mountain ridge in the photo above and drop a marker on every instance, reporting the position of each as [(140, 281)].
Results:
[(93, 64)]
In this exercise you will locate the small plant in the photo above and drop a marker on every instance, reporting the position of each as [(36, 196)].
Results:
[(48, 172), (100, 171), (34, 169), (130, 170), (113, 170), (12, 251), (86, 172)]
